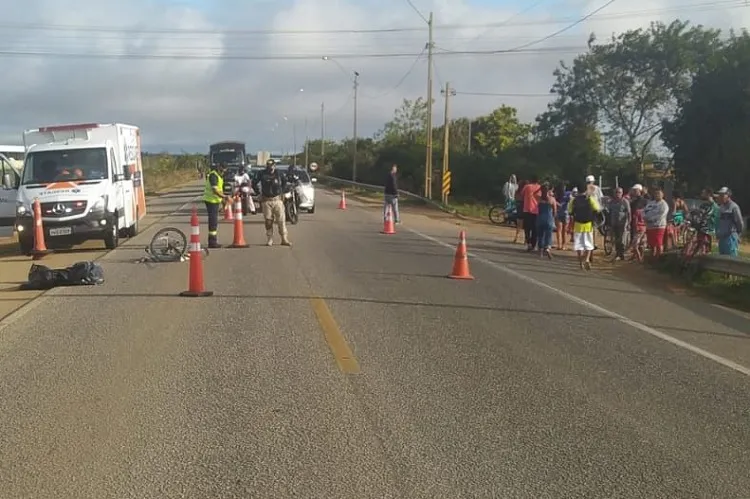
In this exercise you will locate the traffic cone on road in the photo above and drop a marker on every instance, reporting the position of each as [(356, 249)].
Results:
[(239, 228), (461, 260), (388, 225), (195, 283), (40, 248), (228, 212), (342, 202)]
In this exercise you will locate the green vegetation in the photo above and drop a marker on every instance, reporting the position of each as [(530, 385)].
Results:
[(164, 171), (635, 106), (729, 290)]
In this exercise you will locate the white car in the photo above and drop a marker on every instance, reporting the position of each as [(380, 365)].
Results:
[(10, 178), (305, 189)]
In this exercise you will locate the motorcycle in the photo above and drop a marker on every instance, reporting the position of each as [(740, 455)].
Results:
[(291, 203), (246, 196)]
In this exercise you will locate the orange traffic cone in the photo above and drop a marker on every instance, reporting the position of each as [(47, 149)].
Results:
[(239, 229), (388, 226), (40, 248), (195, 283), (342, 202), (228, 212), (461, 260)]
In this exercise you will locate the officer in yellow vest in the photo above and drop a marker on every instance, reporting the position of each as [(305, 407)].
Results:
[(213, 196)]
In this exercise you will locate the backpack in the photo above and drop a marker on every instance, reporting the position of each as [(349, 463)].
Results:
[(582, 210)]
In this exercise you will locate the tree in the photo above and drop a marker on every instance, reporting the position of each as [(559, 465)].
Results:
[(709, 136), (408, 123), (500, 130), (630, 84)]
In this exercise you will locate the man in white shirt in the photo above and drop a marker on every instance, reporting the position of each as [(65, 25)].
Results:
[(240, 179)]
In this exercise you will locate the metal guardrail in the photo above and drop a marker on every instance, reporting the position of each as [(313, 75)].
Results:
[(721, 264), (379, 188), (714, 263)]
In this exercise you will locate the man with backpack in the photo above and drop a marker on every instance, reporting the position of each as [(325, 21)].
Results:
[(583, 208)]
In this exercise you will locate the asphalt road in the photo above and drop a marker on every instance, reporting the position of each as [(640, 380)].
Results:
[(349, 366)]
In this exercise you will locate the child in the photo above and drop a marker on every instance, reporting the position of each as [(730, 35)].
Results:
[(545, 222), (638, 225)]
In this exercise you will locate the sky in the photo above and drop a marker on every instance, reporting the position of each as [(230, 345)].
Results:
[(192, 72)]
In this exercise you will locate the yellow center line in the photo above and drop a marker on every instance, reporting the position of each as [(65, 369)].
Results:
[(345, 359)]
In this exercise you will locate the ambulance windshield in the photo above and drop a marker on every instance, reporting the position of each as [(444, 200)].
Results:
[(69, 165)]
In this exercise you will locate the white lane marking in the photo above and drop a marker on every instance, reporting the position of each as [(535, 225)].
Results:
[(603, 311)]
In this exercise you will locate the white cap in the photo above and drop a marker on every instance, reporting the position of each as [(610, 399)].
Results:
[(637, 187), (724, 190), (590, 178)]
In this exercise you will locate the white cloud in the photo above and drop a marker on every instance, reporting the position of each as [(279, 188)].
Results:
[(189, 102)]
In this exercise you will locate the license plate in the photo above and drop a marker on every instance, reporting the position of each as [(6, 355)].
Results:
[(61, 231)]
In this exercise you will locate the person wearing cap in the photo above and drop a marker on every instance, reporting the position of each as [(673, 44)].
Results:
[(583, 209), (730, 225)]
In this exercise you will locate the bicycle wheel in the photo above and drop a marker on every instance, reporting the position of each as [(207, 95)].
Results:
[(169, 244), (609, 243), (497, 215)]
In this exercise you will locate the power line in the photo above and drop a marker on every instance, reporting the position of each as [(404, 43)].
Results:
[(402, 79), (544, 38), (703, 6), (414, 7), (287, 57), (491, 94)]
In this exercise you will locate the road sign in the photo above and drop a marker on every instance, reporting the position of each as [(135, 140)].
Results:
[(446, 183)]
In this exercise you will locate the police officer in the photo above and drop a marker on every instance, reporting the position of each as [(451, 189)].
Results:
[(213, 196), (271, 187)]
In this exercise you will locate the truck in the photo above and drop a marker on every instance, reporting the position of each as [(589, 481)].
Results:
[(232, 155), (88, 179)]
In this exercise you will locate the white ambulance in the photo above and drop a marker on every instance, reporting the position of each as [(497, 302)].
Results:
[(88, 179)]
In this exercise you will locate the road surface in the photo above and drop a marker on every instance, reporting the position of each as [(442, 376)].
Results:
[(349, 366)]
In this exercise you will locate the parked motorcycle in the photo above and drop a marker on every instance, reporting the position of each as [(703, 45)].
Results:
[(291, 203)]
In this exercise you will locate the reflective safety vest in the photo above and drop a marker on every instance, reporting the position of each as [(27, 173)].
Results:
[(209, 196)]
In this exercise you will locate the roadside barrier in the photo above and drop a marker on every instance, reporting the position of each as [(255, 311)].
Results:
[(196, 287), (461, 260), (40, 247), (239, 228)]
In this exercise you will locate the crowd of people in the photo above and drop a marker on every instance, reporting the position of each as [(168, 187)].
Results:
[(639, 222)]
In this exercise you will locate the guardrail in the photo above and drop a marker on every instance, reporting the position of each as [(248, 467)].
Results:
[(714, 263), (721, 264), (379, 188)]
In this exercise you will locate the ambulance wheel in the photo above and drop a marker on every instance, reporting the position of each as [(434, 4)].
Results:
[(311, 210), (112, 237)]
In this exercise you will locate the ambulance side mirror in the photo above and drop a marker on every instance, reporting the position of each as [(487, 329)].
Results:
[(7, 184)]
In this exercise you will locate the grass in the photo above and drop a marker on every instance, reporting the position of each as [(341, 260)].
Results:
[(729, 290), (166, 171)]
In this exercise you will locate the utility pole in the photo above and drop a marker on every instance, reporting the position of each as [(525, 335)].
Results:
[(322, 134), (428, 158), (468, 147), (307, 140), (354, 145), (294, 144), (446, 180)]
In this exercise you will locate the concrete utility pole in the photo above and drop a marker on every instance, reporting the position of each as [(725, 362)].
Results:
[(428, 158), (322, 134), (446, 181), (307, 148), (354, 145), (294, 144)]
